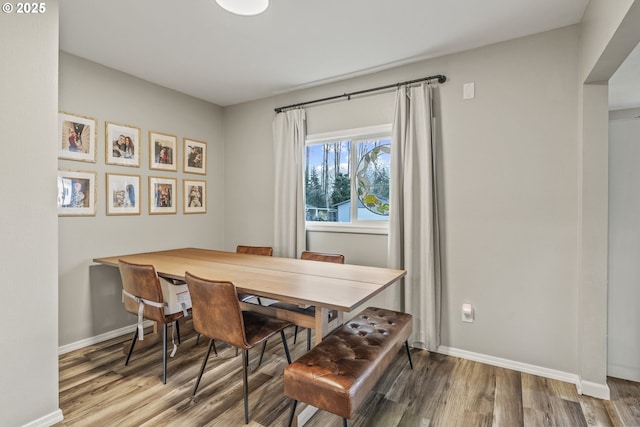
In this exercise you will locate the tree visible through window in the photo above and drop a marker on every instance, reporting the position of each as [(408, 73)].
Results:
[(347, 179)]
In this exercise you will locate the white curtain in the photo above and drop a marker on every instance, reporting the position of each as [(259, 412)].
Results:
[(289, 134), (413, 221)]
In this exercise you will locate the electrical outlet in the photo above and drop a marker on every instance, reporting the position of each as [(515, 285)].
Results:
[(467, 313)]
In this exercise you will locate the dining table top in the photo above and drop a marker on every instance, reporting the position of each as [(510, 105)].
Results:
[(333, 286)]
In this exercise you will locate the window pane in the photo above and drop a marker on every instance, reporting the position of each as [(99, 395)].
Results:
[(372, 174), (327, 182)]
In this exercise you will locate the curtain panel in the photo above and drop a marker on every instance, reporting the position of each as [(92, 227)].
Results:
[(413, 220), (289, 134)]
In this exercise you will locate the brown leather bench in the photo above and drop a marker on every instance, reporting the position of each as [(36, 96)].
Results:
[(337, 374)]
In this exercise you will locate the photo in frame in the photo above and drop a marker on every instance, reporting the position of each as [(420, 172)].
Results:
[(162, 195), (195, 156), (76, 193), (163, 153), (122, 145), (123, 194), (195, 196), (76, 137)]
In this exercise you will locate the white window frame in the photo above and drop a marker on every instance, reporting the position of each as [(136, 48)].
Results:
[(354, 135)]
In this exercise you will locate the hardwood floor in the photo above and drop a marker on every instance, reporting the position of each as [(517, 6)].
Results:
[(96, 389)]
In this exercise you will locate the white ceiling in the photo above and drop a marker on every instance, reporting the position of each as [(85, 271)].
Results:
[(197, 48)]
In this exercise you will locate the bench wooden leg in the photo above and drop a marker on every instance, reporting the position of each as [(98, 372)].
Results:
[(293, 413), (406, 345)]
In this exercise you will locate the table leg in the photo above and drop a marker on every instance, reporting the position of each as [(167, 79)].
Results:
[(324, 325)]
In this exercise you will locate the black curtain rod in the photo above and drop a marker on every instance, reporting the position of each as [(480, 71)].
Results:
[(440, 77)]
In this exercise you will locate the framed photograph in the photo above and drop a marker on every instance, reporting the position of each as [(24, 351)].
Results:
[(195, 156), (162, 195), (76, 137), (163, 151), (122, 145), (76, 193), (123, 194), (195, 196)]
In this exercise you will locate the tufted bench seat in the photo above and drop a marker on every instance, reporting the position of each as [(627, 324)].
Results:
[(337, 374)]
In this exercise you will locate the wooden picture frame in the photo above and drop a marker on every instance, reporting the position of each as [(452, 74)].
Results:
[(123, 194), (76, 193), (194, 193), (163, 151), (163, 195), (195, 156), (77, 137), (122, 145)]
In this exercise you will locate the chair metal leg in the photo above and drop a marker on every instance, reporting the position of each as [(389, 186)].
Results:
[(165, 329), (295, 334), (406, 345), (178, 330), (345, 422), (245, 384), (293, 412), (286, 347), (308, 339), (197, 338), (133, 343), (204, 364), (264, 347)]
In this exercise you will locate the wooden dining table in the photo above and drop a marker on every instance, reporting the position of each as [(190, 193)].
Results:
[(340, 288)]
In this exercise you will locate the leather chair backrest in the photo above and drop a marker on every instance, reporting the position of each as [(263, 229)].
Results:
[(216, 310), (255, 250), (317, 256), (142, 281)]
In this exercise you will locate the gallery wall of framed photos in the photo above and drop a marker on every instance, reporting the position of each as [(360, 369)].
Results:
[(79, 189), (113, 213)]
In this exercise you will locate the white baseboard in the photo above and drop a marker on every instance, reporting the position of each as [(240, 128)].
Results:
[(46, 421), (600, 391), (100, 338)]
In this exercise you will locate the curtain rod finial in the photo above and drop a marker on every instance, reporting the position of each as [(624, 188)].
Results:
[(442, 79)]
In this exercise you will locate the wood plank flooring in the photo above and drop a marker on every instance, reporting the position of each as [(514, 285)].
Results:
[(96, 389)]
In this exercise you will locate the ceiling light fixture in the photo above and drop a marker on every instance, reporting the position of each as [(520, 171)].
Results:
[(244, 7)]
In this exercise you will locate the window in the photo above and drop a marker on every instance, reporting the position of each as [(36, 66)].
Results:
[(347, 179)]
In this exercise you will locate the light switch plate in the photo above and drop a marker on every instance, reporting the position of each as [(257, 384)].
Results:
[(469, 90)]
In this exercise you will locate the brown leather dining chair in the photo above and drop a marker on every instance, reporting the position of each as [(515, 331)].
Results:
[(250, 250), (253, 250), (142, 296), (310, 256), (218, 316)]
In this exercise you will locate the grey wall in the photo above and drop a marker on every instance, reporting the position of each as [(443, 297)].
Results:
[(624, 245), (28, 219), (610, 31), (90, 300), (508, 185)]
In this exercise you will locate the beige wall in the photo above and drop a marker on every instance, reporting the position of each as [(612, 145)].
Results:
[(90, 300), (28, 219), (508, 185)]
